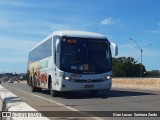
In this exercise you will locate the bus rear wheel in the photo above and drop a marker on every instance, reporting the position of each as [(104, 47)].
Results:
[(33, 89)]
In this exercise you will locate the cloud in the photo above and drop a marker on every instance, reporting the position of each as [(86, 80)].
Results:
[(126, 46), (11, 2), (23, 4), (43, 28), (13, 60), (107, 21), (110, 21), (131, 46), (14, 53), (16, 44), (153, 31), (6, 24), (134, 51), (35, 27), (58, 26)]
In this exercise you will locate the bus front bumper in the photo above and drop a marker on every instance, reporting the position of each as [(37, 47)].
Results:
[(74, 86)]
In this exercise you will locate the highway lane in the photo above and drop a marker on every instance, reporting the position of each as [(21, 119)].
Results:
[(114, 100)]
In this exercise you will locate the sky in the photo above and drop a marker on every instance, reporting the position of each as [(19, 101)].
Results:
[(24, 23)]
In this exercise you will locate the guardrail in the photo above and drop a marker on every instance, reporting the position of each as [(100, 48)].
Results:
[(13, 108)]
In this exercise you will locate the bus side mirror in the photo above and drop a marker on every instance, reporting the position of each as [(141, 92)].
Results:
[(115, 48)]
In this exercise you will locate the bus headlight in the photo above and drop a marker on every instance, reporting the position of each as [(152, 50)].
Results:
[(108, 77), (66, 78)]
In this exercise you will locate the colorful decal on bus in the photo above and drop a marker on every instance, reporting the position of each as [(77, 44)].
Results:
[(36, 72)]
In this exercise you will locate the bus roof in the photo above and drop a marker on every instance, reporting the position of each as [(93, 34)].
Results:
[(73, 33), (82, 34)]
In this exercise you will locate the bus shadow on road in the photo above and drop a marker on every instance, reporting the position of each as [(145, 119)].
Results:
[(100, 94), (126, 93)]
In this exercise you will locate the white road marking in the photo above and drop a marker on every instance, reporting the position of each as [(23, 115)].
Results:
[(58, 103)]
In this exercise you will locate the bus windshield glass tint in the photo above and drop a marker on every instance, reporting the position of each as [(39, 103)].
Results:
[(85, 55)]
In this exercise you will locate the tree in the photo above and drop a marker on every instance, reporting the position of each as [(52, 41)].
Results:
[(118, 67), (126, 67), (153, 73)]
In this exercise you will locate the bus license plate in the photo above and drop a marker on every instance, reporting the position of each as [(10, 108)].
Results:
[(88, 86)]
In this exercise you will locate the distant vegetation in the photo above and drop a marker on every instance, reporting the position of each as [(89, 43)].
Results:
[(153, 73), (128, 67), (14, 76)]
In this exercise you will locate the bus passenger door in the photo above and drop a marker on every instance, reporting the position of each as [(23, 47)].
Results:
[(57, 63), (57, 79)]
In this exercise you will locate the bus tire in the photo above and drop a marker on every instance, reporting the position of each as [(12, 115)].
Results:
[(39, 89), (93, 92), (30, 81), (33, 89)]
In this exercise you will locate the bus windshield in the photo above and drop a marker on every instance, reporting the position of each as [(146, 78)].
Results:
[(84, 55)]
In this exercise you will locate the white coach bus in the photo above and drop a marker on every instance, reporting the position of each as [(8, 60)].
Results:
[(71, 61)]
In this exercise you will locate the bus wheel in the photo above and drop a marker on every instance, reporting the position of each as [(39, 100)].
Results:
[(33, 89), (38, 89), (93, 92), (53, 93)]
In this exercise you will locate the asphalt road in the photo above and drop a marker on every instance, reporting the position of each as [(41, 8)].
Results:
[(113, 100)]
